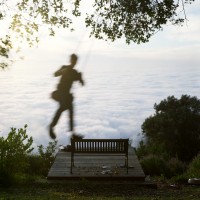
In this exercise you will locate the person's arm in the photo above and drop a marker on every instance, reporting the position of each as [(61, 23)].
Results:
[(81, 79), (60, 71), (78, 77)]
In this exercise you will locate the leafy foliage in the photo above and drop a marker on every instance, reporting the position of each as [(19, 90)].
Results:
[(39, 164), (30, 17), (175, 126), (5, 46), (156, 161), (194, 168), (154, 165), (145, 149), (17, 161), (134, 20), (193, 171), (33, 13), (13, 153)]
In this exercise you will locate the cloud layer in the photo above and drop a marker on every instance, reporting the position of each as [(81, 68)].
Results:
[(122, 82), (113, 104)]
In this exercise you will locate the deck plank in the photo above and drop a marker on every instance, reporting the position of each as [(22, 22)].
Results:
[(96, 167)]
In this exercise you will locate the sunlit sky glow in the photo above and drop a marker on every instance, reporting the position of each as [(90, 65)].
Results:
[(178, 43)]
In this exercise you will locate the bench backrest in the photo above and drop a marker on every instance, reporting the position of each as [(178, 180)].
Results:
[(100, 146)]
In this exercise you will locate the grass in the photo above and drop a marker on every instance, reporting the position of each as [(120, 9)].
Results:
[(84, 190)]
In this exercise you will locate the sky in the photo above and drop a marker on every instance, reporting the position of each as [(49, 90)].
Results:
[(122, 81)]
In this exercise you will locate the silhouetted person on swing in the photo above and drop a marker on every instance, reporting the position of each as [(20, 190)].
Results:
[(63, 96)]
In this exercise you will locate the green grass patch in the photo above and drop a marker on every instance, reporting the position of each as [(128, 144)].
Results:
[(85, 190)]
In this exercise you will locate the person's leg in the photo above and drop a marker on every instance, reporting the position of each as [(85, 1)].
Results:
[(56, 117), (71, 123), (71, 118), (54, 122)]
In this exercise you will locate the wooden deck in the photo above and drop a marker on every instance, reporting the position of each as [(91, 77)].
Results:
[(96, 167)]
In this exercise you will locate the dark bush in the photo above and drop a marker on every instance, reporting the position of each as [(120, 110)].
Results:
[(16, 161), (13, 154), (154, 165), (194, 168), (176, 126), (144, 149), (175, 167), (193, 171), (40, 163)]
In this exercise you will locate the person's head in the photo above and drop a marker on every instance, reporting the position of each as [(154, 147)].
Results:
[(73, 59)]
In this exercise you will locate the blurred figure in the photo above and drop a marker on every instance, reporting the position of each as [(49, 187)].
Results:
[(68, 76)]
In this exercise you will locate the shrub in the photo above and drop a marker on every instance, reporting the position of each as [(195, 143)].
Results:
[(193, 171), (145, 149), (175, 167), (13, 153), (194, 168), (157, 165), (16, 161), (181, 179), (154, 165), (175, 125), (41, 163)]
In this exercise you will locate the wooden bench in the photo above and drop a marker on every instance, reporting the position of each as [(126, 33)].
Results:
[(100, 146)]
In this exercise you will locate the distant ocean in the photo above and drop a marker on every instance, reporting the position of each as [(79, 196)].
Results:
[(113, 104)]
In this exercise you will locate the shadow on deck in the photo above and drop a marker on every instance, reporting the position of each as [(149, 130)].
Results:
[(96, 167)]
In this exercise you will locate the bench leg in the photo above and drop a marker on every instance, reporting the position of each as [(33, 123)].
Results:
[(126, 163), (72, 162)]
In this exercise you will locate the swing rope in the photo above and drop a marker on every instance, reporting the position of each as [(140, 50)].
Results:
[(88, 52)]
